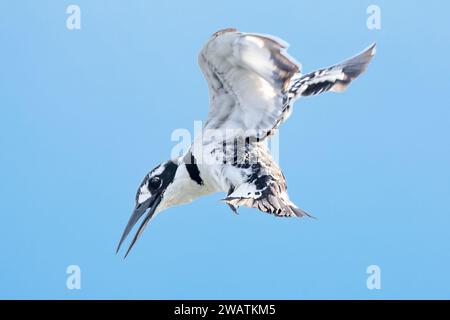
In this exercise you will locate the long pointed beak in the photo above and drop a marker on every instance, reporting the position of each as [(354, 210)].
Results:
[(151, 204)]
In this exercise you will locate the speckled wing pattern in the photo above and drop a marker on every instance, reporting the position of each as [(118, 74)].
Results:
[(253, 84), (335, 78)]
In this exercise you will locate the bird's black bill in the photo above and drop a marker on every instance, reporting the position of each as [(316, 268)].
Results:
[(151, 204)]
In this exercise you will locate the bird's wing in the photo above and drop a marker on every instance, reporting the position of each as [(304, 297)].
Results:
[(248, 76), (335, 78)]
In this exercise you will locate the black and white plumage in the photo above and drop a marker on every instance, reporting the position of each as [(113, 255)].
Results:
[(253, 84)]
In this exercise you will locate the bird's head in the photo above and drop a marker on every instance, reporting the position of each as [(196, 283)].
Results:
[(149, 198)]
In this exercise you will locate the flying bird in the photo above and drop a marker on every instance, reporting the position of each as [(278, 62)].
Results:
[(253, 84)]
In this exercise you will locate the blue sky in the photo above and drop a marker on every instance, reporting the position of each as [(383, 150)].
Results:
[(85, 114)]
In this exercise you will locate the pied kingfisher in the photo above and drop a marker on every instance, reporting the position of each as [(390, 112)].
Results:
[(253, 84)]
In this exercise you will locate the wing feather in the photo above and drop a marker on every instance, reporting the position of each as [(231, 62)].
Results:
[(253, 82), (248, 75), (335, 78)]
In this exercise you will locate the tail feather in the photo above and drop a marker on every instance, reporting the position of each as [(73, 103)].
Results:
[(301, 213), (268, 201)]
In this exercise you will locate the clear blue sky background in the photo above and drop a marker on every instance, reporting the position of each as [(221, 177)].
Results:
[(84, 115)]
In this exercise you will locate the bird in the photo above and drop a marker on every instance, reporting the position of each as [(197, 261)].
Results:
[(253, 83)]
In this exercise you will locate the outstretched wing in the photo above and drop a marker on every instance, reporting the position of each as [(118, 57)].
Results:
[(335, 78), (248, 77)]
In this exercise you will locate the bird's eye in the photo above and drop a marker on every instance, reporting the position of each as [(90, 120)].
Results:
[(154, 183)]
